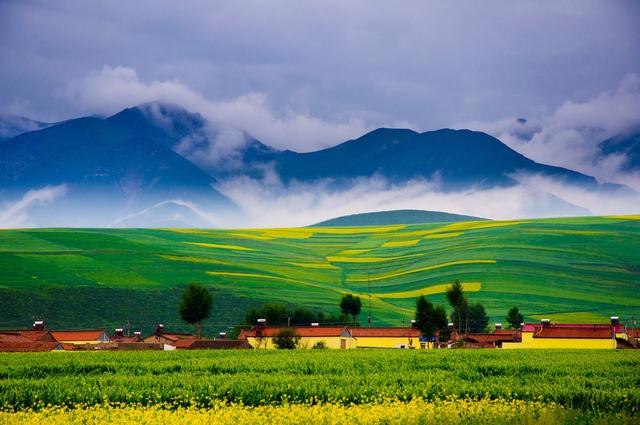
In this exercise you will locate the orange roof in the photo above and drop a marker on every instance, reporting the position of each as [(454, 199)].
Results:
[(384, 332), (77, 335), (26, 346), (302, 331), (177, 337), (13, 337), (492, 337), (577, 332)]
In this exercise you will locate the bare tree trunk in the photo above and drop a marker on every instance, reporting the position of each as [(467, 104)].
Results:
[(199, 330)]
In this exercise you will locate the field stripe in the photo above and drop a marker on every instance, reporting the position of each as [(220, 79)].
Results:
[(429, 290), (221, 246), (421, 269)]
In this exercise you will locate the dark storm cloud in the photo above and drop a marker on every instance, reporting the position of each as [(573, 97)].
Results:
[(338, 65)]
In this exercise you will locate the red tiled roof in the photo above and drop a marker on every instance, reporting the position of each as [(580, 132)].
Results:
[(533, 327), (77, 335), (13, 337), (576, 332), (384, 332), (125, 339), (176, 337), (27, 346), (212, 344), (484, 338), (302, 331)]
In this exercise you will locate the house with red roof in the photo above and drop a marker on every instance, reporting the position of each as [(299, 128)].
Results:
[(339, 337), (555, 335), (14, 341), (81, 337)]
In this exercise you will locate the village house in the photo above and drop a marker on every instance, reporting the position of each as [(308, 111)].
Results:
[(338, 337), (552, 335), (211, 344), (395, 337), (261, 336), (81, 337), (167, 339), (15, 341)]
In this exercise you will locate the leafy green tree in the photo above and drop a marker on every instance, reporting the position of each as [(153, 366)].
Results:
[(279, 315), (441, 322), (351, 305), (457, 301), (515, 318), (195, 306), (478, 319), (424, 317), (286, 339)]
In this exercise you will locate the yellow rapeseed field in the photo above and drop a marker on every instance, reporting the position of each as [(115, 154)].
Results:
[(429, 290), (416, 411), (221, 246), (419, 269)]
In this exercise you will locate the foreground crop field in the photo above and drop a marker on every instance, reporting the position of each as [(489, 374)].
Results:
[(569, 270), (440, 386)]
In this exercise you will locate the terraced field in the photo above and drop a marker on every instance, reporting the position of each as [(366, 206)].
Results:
[(577, 269)]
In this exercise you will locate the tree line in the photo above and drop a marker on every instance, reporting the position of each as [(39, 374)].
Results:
[(432, 321)]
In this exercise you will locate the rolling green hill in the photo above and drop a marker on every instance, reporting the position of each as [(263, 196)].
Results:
[(569, 270), (382, 218)]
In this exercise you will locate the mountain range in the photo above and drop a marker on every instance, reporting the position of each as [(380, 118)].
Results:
[(150, 165)]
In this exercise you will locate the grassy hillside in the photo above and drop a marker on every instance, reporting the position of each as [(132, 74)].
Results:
[(382, 218), (577, 269)]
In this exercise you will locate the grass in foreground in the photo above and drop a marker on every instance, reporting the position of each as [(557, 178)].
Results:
[(589, 381)]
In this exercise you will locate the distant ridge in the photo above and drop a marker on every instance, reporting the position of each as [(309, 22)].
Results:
[(381, 218)]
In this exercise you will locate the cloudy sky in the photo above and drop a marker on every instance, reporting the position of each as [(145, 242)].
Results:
[(307, 75), (341, 66)]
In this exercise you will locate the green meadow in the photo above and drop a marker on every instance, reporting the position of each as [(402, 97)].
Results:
[(569, 270)]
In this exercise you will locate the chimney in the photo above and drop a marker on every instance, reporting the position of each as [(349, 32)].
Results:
[(159, 329), (223, 335), (498, 326), (615, 320), (137, 334), (38, 325), (413, 324), (119, 332), (315, 324), (262, 322), (545, 323)]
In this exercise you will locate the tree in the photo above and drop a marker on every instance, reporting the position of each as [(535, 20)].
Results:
[(351, 305), (195, 306), (286, 339), (515, 318), (424, 317), (440, 321), (477, 318), (457, 301)]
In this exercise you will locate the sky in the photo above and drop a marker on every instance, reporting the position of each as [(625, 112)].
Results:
[(345, 66), (305, 75)]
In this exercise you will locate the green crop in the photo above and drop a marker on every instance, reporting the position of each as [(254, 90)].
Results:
[(590, 380)]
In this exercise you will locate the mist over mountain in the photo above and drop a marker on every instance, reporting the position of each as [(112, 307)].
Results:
[(12, 126), (159, 165)]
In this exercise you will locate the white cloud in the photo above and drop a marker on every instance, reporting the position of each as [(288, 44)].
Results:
[(16, 214), (271, 204), (569, 136), (113, 88)]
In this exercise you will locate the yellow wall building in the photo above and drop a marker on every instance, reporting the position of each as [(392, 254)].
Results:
[(337, 337), (565, 336)]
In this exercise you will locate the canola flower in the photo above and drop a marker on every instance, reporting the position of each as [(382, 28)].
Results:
[(386, 411)]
